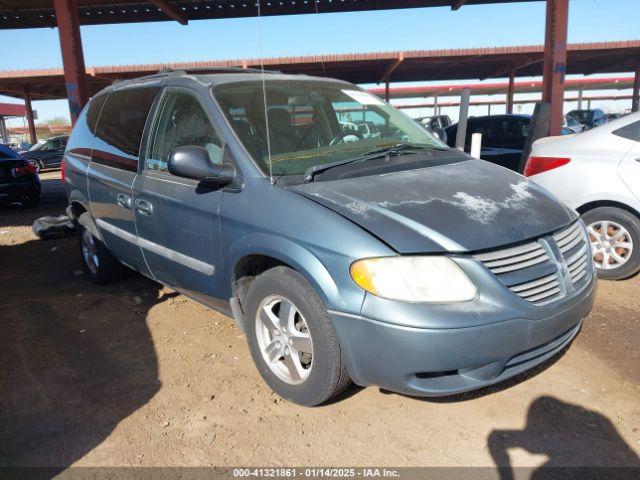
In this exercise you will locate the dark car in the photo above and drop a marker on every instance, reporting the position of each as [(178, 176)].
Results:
[(388, 260), (503, 137), (19, 181), (589, 118), (47, 153)]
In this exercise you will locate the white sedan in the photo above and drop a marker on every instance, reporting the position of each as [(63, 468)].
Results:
[(597, 173)]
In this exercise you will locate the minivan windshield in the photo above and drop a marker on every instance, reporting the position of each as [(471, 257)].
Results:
[(313, 123)]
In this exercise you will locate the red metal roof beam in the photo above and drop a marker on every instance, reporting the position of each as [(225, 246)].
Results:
[(169, 11), (457, 4)]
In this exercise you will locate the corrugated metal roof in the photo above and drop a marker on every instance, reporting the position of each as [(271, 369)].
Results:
[(41, 13), (418, 65)]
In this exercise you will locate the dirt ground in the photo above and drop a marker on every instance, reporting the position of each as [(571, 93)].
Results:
[(136, 375)]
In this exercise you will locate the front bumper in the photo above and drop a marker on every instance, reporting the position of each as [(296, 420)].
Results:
[(441, 361)]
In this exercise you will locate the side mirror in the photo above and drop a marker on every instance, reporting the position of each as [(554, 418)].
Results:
[(194, 162)]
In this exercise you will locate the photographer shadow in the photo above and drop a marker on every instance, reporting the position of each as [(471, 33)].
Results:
[(579, 443)]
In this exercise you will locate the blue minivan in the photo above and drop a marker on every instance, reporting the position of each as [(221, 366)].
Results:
[(376, 255)]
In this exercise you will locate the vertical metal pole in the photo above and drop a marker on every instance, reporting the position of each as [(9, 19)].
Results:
[(461, 134), (555, 61), (588, 104), (580, 99), (387, 93), (3, 130), (489, 109), (436, 107), (33, 138), (635, 102), (72, 56), (511, 90)]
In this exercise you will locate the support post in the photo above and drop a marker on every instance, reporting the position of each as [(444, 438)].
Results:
[(436, 107), (555, 61), (580, 99), (387, 94), (511, 91), (3, 130), (75, 76), (489, 109), (635, 102), (461, 134), (33, 137)]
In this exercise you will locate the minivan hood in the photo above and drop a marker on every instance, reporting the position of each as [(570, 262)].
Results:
[(467, 206)]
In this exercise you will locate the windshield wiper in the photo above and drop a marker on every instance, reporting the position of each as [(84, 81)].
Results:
[(387, 151)]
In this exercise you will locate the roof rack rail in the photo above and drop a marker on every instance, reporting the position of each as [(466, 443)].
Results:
[(168, 70)]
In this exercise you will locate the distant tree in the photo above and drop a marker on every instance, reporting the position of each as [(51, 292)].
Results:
[(56, 121)]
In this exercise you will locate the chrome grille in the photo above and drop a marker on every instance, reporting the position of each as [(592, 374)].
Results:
[(516, 258), (575, 249), (531, 271)]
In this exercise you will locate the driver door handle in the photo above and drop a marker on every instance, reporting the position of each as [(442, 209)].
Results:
[(143, 207)]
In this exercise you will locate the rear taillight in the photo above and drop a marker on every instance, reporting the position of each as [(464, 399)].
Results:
[(28, 169), (536, 165), (63, 169)]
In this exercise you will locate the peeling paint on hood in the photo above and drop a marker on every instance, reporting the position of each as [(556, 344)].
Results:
[(468, 206)]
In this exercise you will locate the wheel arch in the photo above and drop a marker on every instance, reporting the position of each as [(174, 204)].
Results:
[(253, 254), (607, 203)]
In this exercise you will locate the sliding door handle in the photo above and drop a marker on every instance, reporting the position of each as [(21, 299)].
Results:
[(143, 207)]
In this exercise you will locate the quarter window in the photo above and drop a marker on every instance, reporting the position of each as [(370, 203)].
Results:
[(181, 122)]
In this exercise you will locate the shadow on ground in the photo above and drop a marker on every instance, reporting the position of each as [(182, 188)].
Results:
[(569, 436), (75, 358)]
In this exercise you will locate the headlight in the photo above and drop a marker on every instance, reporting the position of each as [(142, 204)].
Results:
[(414, 279)]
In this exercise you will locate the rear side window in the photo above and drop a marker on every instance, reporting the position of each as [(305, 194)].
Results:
[(121, 125), (631, 131), (93, 112)]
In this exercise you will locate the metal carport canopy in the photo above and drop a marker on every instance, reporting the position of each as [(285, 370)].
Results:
[(425, 65), (41, 13)]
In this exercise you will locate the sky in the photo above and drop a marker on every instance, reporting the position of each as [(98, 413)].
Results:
[(410, 29)]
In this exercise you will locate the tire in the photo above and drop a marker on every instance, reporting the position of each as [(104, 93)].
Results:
[(326, 376), (30, 199), (97, 261), (618, 220)]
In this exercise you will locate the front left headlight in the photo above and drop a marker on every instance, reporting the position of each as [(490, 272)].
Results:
[(435, 279)]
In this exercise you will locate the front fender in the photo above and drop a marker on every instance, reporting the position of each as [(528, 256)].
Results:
[(296, 256)]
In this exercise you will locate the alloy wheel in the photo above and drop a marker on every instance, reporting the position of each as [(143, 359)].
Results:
[(89, 251), (284, 339)]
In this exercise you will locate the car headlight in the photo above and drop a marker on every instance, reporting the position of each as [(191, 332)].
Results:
[(434, 279)]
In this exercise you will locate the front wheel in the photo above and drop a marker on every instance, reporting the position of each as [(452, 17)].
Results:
[(97, 261), (292, 340), (614, 234)]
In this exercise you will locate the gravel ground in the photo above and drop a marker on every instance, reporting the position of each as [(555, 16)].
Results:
[(136, 375)]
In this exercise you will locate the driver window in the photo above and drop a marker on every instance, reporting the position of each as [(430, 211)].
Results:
[(181, 122)]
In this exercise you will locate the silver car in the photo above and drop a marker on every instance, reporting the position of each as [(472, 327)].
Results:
[(597, 173)]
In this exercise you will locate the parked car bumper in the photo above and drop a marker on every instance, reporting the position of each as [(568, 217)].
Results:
[(439, 362), (14, 191)]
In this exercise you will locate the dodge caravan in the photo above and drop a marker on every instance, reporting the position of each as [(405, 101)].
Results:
[(384, 259)]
